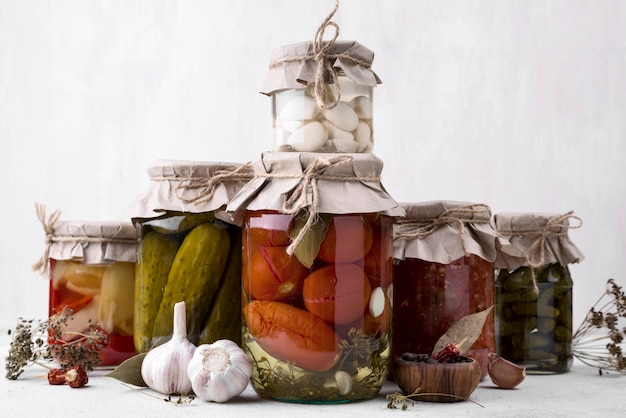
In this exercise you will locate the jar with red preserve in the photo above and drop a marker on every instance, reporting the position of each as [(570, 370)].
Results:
[(443, 270), (91, 267), (316, 278)]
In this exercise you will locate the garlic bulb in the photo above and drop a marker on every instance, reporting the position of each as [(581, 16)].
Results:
[(219, 371), (164, 368)]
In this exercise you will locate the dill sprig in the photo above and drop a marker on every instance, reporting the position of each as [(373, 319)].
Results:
[(599, 340)]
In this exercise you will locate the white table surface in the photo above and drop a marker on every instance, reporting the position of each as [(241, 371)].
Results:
[(582, 392)]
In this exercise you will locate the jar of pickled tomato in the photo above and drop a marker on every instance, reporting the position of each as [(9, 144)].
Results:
[(533, 322), (322, 97), (443, 270), (189, 250), (91, 267), (317, 262)]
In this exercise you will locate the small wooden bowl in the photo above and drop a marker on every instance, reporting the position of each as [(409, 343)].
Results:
[(456, 379)]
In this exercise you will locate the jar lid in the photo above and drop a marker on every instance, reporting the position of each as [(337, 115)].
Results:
[(444, 231), (92, 242), (190, 187), (536, 239), (296, 65)]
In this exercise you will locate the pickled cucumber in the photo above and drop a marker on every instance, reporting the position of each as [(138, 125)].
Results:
[(224, 320), (533, 320), (194, 278), (155, 256)]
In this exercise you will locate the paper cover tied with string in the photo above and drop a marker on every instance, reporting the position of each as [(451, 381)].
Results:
[(315, 183), (189, 187), (536, 239), (443, 231)]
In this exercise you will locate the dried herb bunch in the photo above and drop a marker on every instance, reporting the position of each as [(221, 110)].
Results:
[(599, 340), (39, 342)]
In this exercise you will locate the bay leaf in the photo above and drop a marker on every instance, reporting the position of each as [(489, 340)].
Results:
[(307, 249), (129, 371), (464, 332)]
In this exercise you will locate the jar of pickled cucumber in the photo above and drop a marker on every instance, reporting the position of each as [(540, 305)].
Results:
[(91, 267), (534, 291), (189, 250), (322, 97), (443, 270), (317, 260)]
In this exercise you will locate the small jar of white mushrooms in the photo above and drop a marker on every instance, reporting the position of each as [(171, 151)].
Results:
[(322, 97)]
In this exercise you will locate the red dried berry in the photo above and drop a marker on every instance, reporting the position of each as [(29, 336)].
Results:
[(76, 377), (56, 377), (448, 353)]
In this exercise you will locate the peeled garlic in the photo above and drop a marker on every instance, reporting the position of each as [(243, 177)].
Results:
[(164, 368), (219, 371)]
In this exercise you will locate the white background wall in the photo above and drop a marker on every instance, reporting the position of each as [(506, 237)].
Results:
[(517, 104)]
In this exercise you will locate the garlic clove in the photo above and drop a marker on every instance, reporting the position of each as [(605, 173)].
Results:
[(344, 382), (504, 373), (164, 368), (219, 371)]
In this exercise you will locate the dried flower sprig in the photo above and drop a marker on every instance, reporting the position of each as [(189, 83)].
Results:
[(599, 340), (40, 342)]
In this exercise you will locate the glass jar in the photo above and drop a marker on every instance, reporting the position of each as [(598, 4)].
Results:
[(317, 264), (443, 270), (534, 290), (325, 109), (326, 326), (534, 317), (189, 250), (91, 271), (431, 297)]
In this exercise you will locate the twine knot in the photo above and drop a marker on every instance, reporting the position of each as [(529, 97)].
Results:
[(41, 266), (298, 198), (555, 227), (208, 186)]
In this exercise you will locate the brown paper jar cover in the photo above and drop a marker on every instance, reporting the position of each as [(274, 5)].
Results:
[(535, 234), (464, 228), (94, 242), (297, 74), (190, 187), (345, 183)]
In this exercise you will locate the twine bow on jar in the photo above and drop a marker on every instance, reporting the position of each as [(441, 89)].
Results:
[(298, 199), (422, 228), (41, 266), (208, 185), (554, 227)]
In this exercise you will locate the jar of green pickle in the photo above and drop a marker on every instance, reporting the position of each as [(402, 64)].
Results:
[(91, 267), (189, 250), (317, 258), (443, 270), (322, 95), (534, 290)]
